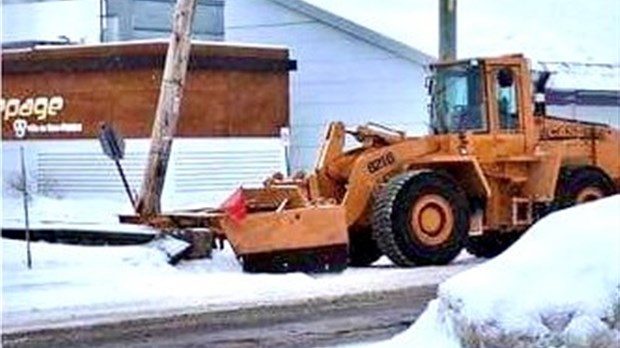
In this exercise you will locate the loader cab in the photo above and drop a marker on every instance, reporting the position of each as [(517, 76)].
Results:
[(487, 102), (477, 95), (456, 92), (483, 96)]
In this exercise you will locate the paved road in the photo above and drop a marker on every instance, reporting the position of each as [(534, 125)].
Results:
[(319, 322)]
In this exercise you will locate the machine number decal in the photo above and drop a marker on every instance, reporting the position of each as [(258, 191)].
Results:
[(379, 163)]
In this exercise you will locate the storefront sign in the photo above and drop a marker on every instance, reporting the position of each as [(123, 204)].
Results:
[(36, 115)]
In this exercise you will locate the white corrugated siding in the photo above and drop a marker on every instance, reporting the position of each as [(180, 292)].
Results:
[(200, 171)]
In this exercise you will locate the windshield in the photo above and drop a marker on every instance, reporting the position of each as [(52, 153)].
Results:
[(456, 102)]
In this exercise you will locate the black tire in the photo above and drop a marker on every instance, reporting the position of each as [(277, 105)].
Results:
[(490, 244), (394, 230), (363, 249), (581, 184)]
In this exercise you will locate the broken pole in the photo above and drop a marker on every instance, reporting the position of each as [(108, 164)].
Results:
[(168, 107)]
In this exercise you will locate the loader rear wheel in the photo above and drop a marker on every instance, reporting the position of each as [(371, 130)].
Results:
[(491, 244), (578, 185), (363, 249), (420, 218)]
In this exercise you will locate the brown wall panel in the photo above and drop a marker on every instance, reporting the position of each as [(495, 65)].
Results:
[(258, 106), (223, 96), (209, 103)]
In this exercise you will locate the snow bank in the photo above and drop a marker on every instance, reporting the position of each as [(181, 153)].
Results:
[(73, 214), (559, 286), (81, 285)]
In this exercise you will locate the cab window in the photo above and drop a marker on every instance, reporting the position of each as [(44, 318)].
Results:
[(506, 98), (457, 100)]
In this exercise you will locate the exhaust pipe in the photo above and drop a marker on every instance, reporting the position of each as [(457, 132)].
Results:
[(540, 106)]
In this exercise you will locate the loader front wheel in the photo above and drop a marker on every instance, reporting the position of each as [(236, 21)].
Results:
[(363, 249), (421, 218)]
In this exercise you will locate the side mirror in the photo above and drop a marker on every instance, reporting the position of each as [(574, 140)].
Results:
[(541, 82), (540, 106)]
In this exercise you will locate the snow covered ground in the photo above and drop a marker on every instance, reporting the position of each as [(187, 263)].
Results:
[(558, 286), (101, 214), (80, 285)]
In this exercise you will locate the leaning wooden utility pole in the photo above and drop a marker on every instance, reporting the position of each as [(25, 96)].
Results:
[(168, 107)]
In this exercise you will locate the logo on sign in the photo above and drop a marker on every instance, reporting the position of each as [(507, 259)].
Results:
[(36, 115), (19, 128)]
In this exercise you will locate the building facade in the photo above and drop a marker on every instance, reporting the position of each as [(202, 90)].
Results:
[(91, 21), (56, 99), (345, 72), (353, 74), (146, 19)]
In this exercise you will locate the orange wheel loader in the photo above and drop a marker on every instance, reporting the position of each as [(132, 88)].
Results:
[(493, 163)]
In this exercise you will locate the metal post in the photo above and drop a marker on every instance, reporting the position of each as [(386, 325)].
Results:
[(168, 107), (447, 30), (125, 183), (26, 217)]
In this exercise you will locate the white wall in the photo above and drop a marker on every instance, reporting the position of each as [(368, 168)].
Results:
[(339, 77), (201, 172), (47, 20)]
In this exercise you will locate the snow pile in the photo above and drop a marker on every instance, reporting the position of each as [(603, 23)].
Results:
[(559, 286), (72, 214), (50, 210), (82, 285)]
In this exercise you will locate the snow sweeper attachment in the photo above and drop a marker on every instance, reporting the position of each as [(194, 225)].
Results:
[(271, 229)]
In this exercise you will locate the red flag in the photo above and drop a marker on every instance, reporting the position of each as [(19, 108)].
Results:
[(235, 206)]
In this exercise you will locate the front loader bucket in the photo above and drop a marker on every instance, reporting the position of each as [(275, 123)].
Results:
[(273, 229), (312, 238)]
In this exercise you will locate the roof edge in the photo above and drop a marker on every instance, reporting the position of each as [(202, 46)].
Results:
[(369, 36)]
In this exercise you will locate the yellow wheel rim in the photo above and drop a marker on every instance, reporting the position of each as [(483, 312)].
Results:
[(589, 194), (431, 220)]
